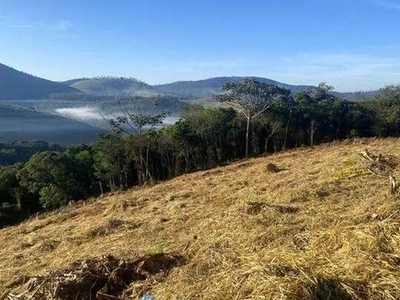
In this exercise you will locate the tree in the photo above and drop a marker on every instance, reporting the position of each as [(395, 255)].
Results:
[(10, 198), (110, 162), (313, 105), (134, 122), (251, 98), (50, 174), (386, 107)]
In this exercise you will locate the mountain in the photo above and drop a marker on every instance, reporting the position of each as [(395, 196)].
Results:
[(113, 86), (189, 90), (72, 81), (212, 86), (18, 85), (322, 228), (18, 123), (120, 86), (357, 96)]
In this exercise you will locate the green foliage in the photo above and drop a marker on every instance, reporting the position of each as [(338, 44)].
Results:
[(52, 196), (18, 151), (387, 110), (49, 173)]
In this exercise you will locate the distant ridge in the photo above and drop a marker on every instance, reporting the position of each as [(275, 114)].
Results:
[(212, 86), (19, 85), (189, 90)]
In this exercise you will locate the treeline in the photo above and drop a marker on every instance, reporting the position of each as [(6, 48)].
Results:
[(266, 119)]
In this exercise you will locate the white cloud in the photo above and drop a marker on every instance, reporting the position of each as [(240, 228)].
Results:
[(20, 26), (57, 25), (345, 71), (62, 25), (388, 4)]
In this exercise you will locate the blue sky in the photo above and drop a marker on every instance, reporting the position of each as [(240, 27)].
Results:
[(350, 44)]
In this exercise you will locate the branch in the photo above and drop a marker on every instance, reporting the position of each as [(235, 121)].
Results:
[(266, 106), (239, 107)]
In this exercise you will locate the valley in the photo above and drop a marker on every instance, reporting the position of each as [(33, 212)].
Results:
[(26, 124), (74, 111)]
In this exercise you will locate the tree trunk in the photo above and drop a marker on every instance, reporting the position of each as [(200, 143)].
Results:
[(313, 129), (286, 130), (266, 144), (247, 136), (267, 139), (101, 187)]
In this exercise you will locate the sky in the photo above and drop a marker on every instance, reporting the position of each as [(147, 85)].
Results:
[(350, 44)]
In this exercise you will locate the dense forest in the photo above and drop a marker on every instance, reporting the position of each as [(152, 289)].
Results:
[(256, 119), (22, 151)]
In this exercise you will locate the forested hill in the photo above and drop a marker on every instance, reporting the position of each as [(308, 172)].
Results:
[(18, 85), (112, 86)]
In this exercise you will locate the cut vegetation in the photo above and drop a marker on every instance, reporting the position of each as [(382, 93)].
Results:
[(306, 224)]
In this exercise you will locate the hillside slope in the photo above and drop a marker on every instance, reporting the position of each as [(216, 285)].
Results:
[(113, 86), (18, 85), (322, 228)]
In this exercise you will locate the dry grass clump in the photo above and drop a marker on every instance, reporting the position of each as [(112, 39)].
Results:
[(272, 168), (323, 227), (111, 226)]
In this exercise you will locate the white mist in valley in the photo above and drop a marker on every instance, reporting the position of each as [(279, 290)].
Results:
[(91, 115), (85, 113)]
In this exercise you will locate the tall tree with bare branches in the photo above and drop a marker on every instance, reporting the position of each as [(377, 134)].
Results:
[(251, 98), (134, 122)]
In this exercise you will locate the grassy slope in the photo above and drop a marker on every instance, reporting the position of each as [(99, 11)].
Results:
[(328, 228)]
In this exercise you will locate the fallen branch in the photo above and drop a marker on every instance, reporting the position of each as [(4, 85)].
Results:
[(4, 295), (378, 165), (393, 184)]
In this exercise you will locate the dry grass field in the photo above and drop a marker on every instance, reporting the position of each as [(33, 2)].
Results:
[(323, 227)]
